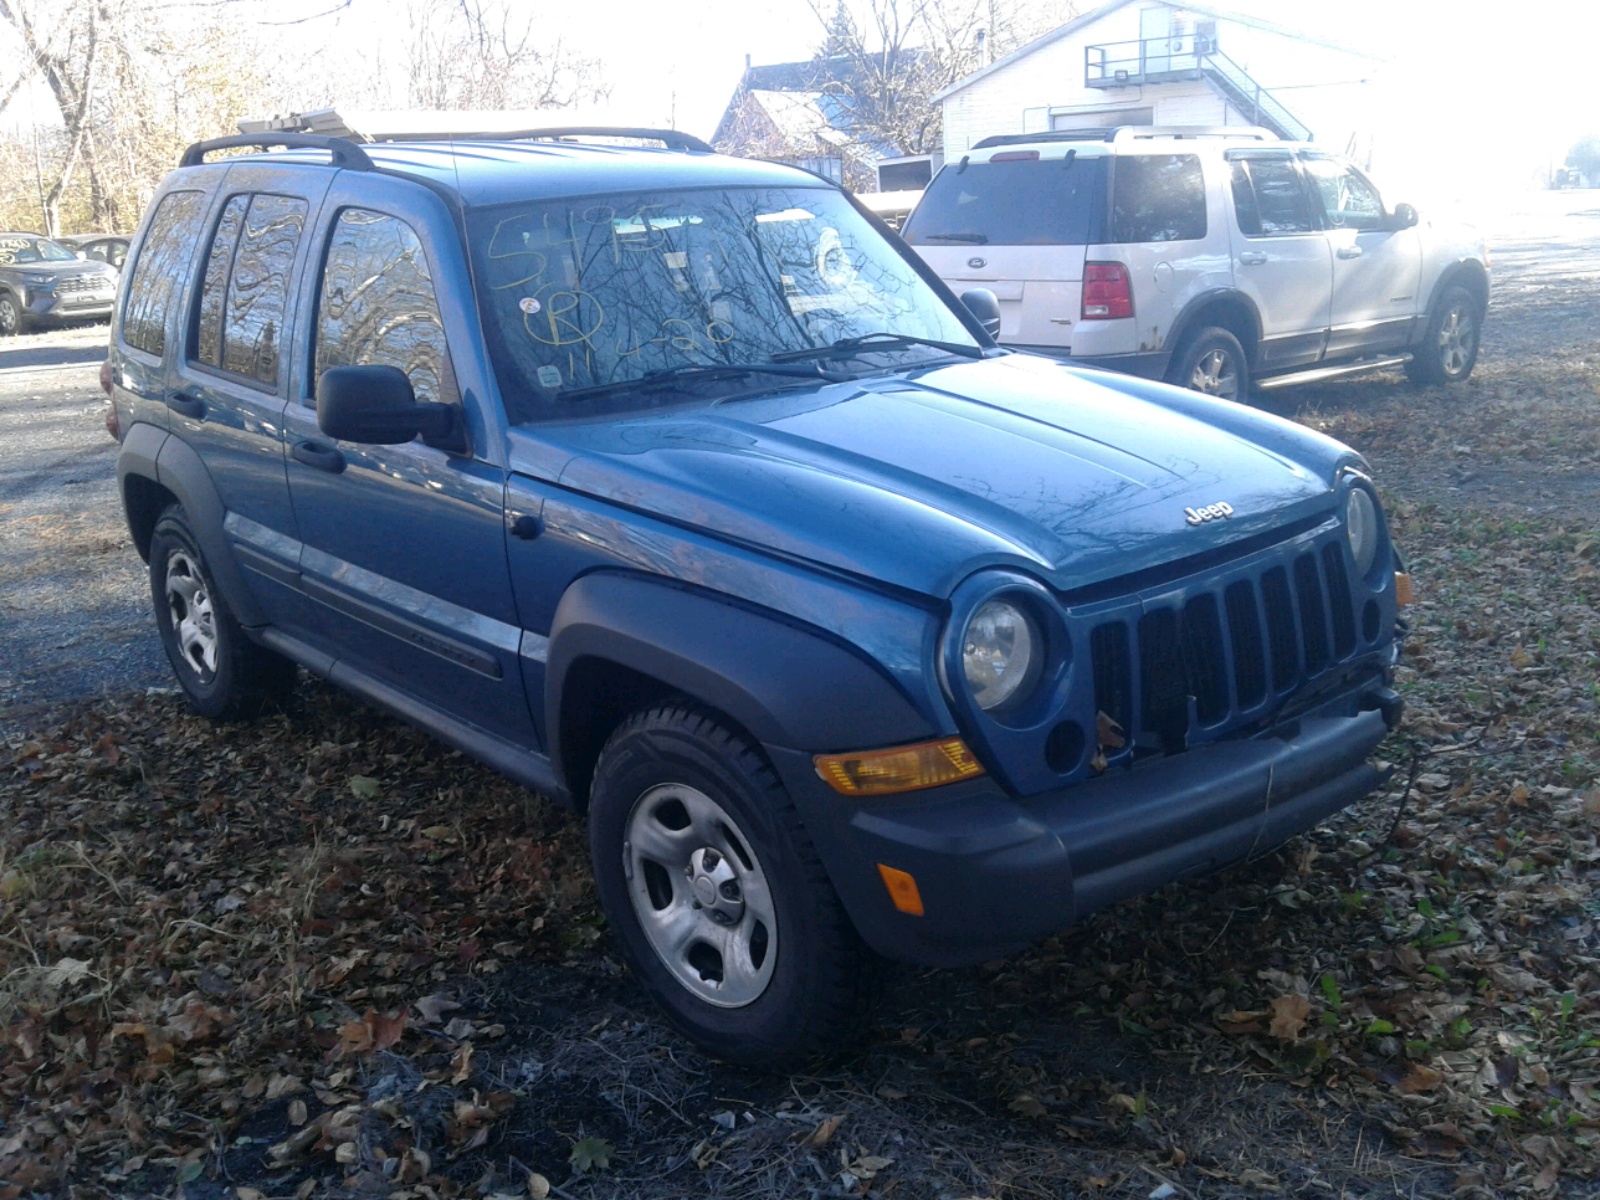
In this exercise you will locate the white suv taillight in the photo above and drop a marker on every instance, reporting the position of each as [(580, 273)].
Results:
[(1107, 291)]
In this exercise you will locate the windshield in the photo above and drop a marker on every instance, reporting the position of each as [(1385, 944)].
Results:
[(21, 248), (1023, 202), (588, 292)]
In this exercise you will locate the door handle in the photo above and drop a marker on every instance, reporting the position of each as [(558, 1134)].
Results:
[(186, 405), (1348, 251), (1252, 258), (319, 455)]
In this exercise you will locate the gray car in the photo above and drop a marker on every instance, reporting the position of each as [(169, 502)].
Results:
[(42, 282)]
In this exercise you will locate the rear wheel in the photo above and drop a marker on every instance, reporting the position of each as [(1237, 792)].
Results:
[(717, 895), (1449, 348), (223, 673), (1212, 361)]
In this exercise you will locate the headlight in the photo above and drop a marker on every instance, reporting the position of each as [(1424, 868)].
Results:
[(38, 281), (1361, 527), (999, 652)]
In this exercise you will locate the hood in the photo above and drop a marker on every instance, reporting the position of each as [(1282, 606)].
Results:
[(63, 269), (918, 480)]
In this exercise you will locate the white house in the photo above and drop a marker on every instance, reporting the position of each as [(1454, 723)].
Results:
[(1146, 62)]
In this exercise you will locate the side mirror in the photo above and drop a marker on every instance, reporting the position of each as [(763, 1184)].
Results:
[(375, 405), (1404, 216), (981, 303)]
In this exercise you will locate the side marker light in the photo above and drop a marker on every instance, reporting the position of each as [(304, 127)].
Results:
[(1402, 588), (902, 890)]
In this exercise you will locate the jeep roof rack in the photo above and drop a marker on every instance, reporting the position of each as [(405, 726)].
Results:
[(672, 139), (344, 152), (1128, 133)]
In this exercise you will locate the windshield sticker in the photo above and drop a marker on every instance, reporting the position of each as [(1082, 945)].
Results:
[(676, 260), (529, 305), (549, 377)]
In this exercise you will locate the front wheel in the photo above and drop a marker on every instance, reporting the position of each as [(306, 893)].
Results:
[(12, 321), (223, 673), (1212, 361), (1449, 348), (717, 895)]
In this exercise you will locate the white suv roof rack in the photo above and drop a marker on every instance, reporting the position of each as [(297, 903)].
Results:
[(1254, 133)]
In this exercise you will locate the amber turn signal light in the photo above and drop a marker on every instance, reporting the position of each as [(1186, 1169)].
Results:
[(902, 890), (1402, 588), (899, 768)]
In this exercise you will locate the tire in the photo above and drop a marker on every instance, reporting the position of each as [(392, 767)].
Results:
[(12, 319), (686, 822), (1449, 348), (224, 674), (1212, 361)]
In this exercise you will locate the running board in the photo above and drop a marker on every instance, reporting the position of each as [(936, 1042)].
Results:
[(1273, 382)]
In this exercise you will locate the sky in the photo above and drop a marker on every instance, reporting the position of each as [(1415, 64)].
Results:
[(1507, 86), (1476, 95)]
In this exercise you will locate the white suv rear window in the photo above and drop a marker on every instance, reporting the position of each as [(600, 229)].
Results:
[(1027, 202)]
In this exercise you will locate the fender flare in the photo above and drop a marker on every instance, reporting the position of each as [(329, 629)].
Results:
[(180, 471), (784, 684), (1185, 320), (1462, 267)]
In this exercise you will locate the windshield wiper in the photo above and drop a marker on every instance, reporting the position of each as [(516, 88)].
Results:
[(977, 239), (674, 376), (868, 342)]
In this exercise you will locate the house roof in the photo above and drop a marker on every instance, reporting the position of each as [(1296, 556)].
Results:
[(824, 83), (1111, 6)]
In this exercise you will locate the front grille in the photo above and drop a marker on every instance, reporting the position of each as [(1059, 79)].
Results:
[(84, 283), (1179, 668)]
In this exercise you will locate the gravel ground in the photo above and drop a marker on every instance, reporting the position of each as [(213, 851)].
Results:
[(74, 604)]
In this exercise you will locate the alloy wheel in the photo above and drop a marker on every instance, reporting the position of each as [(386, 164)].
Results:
[(1215, 375), (194, 619), (8, 316), (700, 895), (1457, 336)]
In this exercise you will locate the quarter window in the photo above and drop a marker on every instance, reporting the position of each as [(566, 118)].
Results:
[(1348, 200), (1268, 197), (377, 304), (1158, 198), (159, 272), (239, 321)]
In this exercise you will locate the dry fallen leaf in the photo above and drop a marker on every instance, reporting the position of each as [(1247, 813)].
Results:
[(1289, 1015), (1419, 1078), (823, 1133)]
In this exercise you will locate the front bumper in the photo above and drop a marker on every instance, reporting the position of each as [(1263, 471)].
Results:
[(43, 307), (997, 874)]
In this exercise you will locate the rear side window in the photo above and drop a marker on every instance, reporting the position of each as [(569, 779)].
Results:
[(377, 304), (1158, 198), (1053, 202), (239, 320), (159, 273), (1268, 197)]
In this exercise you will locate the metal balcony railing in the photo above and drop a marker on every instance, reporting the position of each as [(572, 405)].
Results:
[(1189, 57)]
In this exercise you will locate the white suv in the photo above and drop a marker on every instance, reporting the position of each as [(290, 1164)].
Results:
[(1218, 259)]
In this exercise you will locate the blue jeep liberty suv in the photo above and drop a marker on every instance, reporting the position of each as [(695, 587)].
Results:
[(675, 487)]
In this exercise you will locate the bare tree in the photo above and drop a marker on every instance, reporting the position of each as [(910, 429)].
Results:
[(61, 42), (493, 54), (885, 60)]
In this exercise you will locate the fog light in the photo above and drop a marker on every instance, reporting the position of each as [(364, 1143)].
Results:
[(899, 768), (902, 890)]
